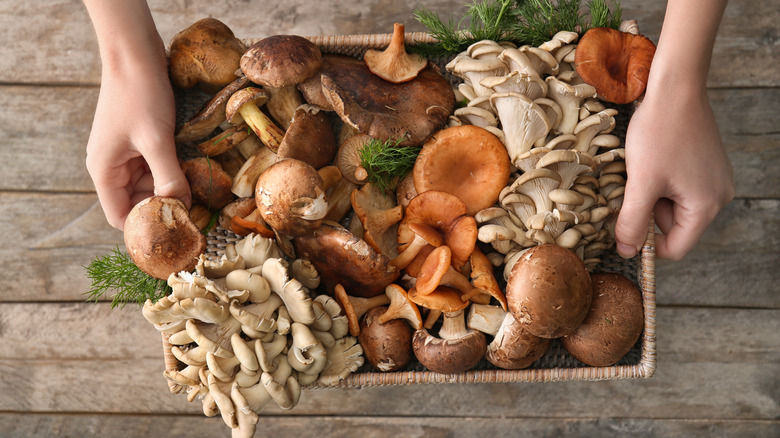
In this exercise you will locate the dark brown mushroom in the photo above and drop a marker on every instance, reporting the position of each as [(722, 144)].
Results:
[(514, 347), (161, 239), (614, 322), (342, 258), (549, 290), (210, 185), (409, 111), (281, 60), (455, 350), (309, 138), (210, 115), (387, 346)]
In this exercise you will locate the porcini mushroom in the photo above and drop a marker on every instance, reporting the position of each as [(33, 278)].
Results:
[(291, 198), (161, 239), (394, 64), (616, 63), (205, 52), (281, 60)]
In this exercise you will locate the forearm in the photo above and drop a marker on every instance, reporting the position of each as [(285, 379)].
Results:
[(684, 50), (126, 34)]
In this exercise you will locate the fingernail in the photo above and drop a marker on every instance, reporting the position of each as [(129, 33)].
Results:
[(626, 251)]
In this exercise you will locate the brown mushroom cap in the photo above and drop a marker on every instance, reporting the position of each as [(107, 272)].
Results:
[(549, 290), (281, 60), (309, 138), (466, 161), (387, 346), (410, 110), (342, 258), (161, 239), (290, 197), (514, 347), (209, 183), (205, 52), (452, 353), (613, 325), (616, 63)]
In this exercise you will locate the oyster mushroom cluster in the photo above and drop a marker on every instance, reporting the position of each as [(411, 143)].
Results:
[(569, 176), (247, 330)]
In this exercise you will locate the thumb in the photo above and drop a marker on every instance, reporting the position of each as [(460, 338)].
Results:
[(634, 217), (169, 179)]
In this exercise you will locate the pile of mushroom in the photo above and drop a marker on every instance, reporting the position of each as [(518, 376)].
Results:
[(569, 176), (328, 258), (247, 331)]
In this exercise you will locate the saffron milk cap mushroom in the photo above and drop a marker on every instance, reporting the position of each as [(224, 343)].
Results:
[(394, 64), (616, 63)]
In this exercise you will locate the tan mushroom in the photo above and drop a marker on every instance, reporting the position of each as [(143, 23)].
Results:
[(394, 64)]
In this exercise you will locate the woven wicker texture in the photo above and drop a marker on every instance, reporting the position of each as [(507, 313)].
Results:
[(556, 364)]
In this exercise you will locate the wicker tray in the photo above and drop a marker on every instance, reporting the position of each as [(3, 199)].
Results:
[(556, 364)]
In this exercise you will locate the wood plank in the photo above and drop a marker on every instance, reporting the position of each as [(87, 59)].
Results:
[(712, 364), (55, 43), (166, 426), (48, 153)]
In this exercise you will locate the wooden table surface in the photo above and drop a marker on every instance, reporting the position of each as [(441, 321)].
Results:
[(70, 368)]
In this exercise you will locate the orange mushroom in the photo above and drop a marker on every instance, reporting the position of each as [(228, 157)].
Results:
[(394, 64), (616, 63), (466, 161)]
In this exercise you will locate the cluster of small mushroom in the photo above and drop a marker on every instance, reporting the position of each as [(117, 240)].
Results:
[(246, 331), (570, 170)]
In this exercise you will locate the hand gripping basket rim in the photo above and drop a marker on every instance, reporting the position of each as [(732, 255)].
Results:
[(355, 46)]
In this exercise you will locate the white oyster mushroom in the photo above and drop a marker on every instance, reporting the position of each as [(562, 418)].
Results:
[(522, 121), (474, 70), (256, 249), (344, 358), (532, 87), (472, 115), (221, 266), (168, 309), (258, 288), (467, 91), (537, 185), (554, 114), (568, 164), (306, 354), (481, 102), (295, 296), (569, 97), (518, 62), (304, 271), (602, 122), (484, 49), (558, 40), (518, 205), (541, 60)]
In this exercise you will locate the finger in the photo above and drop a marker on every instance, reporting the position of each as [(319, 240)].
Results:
[(633, 219), (688, 227), (663, 213), (169, 180)]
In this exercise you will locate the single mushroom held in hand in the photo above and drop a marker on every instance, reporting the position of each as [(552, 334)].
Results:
[(161, 239), (394, 64), (616, 63), (613, 325), (206, 52)]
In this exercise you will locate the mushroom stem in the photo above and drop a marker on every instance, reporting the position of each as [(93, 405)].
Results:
[(453, 325), (265, 129)]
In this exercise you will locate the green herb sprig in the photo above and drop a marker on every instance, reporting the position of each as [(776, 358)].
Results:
[(386, 162), (116, 272), (522, 22)]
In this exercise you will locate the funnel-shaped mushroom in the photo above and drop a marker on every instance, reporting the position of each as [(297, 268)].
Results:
[(394, 64), (569, 97), (523, 122), (616, 63)]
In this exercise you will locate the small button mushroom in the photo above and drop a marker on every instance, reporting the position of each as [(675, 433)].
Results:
[(161, 239), (386, 346), (549, 290), (514, 347), (613, 325), (290, 197), (394, 64), (455, 350)]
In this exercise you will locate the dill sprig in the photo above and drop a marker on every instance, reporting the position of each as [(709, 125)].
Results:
[(117, 272), (522, 22), (386, 162)]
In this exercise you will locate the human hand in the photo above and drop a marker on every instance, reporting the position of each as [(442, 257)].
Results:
[(677, 169), (131, 153)]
